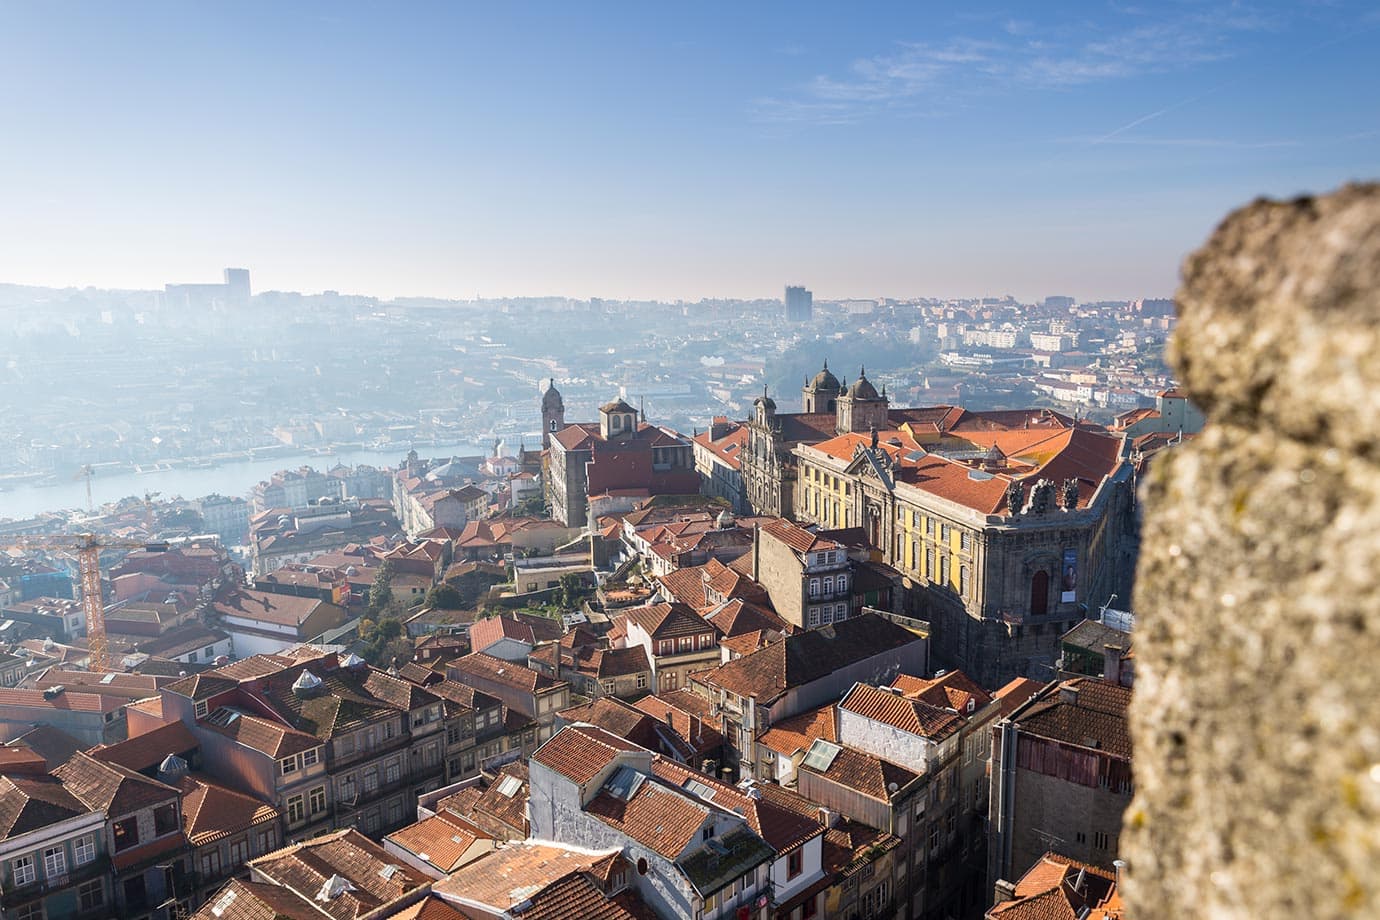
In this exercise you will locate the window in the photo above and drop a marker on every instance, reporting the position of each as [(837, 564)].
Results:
[(309, 758), (809, 909), (706, 640), (391, 772), (813, 617), (296, 810), (345, 745), (707, 833), (210, 864), (965, 540), (1039, 593), (828, 584), (395, 812), (843, 583), (165, 820), (91, 895), (136, 895), (794, 861), (54, 862), (191, 657), (23, 870), (929, 526), (288, 765), (944, 569), (126, 834), (267, 840), (814, 587), (84, 850), (608, 686), (1100, 840), (201, 709), (371, 780), (929, 563), (316, 800), (642, 681), (33, 911), (389, 729), (934, 836), (665, 647), (239, 852), (687, 643), (963, 580), (210, 652)]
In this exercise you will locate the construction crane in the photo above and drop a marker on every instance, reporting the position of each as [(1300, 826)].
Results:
[(88, 548), (86, 472)]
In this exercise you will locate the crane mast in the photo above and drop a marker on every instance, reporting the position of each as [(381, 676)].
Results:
[(87, 547)]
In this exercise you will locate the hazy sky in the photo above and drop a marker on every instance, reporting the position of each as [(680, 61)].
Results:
[(636, 150)]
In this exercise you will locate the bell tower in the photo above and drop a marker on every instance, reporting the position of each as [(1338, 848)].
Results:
[(552, 413)]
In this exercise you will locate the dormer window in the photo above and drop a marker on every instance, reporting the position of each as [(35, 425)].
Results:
[(201, 708), (309, 758), (288, 765)]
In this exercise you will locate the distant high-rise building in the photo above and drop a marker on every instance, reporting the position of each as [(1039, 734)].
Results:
[(234, 291), (237, 285), (1058, 302), (799, 304)]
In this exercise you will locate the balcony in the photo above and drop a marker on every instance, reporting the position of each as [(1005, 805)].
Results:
[(12, 897)]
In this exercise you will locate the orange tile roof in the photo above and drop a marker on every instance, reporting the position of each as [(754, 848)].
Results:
[(668, 621), (797, 733), (910, 715), (580, 753), (1058, 888), (783, 828), (511, 875), (797, 537), (865, 773), (211, 811), (306, 866), (954, 690), (148, 750), (441, 842), (661, 819)]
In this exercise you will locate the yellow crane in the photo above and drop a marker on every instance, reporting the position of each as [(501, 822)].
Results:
[(88, 548)]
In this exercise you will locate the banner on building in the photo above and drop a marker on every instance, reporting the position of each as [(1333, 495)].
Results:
[(1068, 582)]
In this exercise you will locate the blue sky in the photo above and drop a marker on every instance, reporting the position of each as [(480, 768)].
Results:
[(650, 150)]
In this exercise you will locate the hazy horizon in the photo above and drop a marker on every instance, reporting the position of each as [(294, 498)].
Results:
[(638, 153)]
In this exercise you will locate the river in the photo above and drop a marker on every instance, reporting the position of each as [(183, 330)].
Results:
[(235, 477)]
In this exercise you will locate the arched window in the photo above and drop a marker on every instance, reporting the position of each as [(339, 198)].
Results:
[(1039, 593)]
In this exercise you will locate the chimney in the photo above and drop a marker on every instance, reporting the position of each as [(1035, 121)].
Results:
[(1004, 891), (1068, 693), (1111, 663)]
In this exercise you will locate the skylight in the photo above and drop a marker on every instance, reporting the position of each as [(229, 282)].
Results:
[(821, 755)]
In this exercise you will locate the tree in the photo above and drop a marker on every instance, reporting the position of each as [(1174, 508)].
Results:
[(380, 639), (570, 592), (381, 594), (445, 597)]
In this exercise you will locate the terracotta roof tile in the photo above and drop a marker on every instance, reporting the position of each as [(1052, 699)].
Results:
[(441, 842), (211, 811), (116, 790), (661, 819), (865, 773), (148, 750), (511, 875), (808, 656), (580, 754), (1085, 712), (305, 867), (668, 621), (909, 715), (29, 803), (797, 733)]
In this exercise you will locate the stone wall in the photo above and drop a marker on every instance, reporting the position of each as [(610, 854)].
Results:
[(1256, 715)]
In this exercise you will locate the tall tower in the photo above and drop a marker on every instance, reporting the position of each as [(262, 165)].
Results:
[(237, 286), (552, 413), (799, 304)]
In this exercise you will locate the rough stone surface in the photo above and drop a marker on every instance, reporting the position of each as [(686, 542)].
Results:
[(1256, 715)]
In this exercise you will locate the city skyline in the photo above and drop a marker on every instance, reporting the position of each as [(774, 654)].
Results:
[(627, 153)]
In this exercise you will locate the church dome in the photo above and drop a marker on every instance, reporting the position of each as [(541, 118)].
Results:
[(862, 388), (765, 400), (825, 380)]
